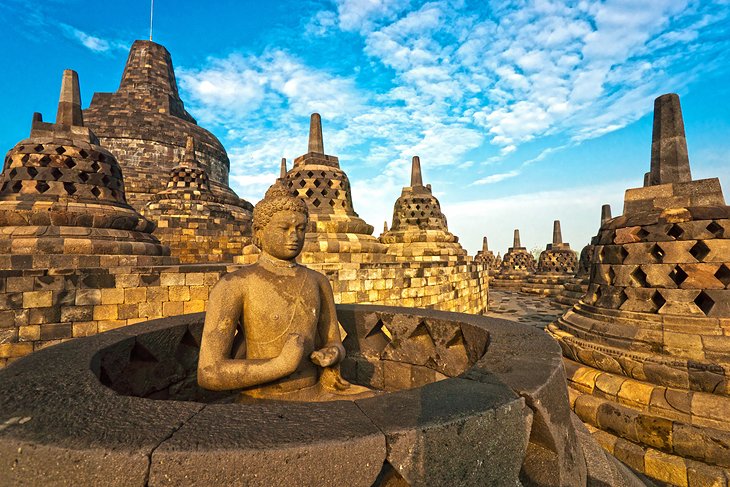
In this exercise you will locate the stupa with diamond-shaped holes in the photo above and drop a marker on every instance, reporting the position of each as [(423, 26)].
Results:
[(62, 199), (419, 231), (647, 350)]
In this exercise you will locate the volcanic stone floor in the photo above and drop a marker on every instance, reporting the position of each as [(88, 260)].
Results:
[(527, 308)]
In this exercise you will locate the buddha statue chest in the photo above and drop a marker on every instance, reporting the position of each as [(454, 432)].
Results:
[(278, 302)]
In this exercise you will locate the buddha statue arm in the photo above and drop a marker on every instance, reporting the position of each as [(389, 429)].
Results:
[(331, 351), (216, 370)]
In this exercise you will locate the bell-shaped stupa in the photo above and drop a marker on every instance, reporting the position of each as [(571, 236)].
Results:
[(486, 256), (336, 234), (576, 287), (145, 124), (647, 350), (62, 200), (517, 264), (556, 264), (419, 231), (194, 222)]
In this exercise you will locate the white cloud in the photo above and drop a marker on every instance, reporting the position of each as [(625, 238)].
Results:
[(96, 44), (495, 178), (533, 214)]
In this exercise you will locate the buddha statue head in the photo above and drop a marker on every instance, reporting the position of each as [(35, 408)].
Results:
[(279, 223)]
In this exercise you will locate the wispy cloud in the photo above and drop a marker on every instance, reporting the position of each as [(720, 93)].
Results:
[(94, 43), (456, 84)]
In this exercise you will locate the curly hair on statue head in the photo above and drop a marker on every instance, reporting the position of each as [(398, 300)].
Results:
[(277, 199)]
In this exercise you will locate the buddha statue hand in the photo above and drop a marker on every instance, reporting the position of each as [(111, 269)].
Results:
[(291, 353), (324, 357)]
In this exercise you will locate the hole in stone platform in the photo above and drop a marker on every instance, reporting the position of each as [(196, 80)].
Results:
[(60, 150), (657, 252), (723, 275), (716, 229), (623, 253), (639, 277), (42, 186), (704, 302), (675, 231), (678, 275), (699, 250), (658, 300)]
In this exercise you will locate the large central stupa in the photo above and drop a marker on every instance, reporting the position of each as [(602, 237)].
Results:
[(145, 125)]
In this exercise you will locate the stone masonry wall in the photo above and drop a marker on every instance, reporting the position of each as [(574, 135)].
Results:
[(41, 307)]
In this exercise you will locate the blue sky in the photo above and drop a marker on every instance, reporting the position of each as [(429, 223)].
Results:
[(522, 111)]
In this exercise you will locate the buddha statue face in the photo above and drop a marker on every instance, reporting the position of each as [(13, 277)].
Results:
[(283, 236)]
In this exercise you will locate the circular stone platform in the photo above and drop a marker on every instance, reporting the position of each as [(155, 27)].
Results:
[(473, 401)]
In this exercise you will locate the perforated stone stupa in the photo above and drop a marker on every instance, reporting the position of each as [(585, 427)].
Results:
[(336, 234), (517, 264), (576, 287), (145, 124), (647, 350), (419, 231), (556, 264), (62, 200), (487, 257), (196, 224)]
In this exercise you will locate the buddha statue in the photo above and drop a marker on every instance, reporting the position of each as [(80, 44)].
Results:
[(271, 327)]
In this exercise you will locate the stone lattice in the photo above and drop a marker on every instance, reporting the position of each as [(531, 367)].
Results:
[(648, 347), (577, 286), (196, 224), (486, 256), (555, 266), (517, 264), (62, 197), (419, 230), (335, 234), (145, 124)]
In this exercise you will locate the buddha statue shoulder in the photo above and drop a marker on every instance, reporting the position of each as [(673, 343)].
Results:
[(271, 327)]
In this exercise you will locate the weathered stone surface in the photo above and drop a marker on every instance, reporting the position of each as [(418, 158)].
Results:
[(488, 426), (145, 124), (419, 231), (272, 443), (649, 324), (68, 429)]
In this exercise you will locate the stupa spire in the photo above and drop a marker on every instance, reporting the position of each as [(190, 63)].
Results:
[(188, 157), (282, 170), (316, 142), (385, 226), (485, 247), (69, 103), (605, 213), (669, 159), (416, 177), (516, 240), (557, 233)]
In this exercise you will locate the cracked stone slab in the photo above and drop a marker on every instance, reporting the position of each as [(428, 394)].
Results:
[(272, 443)]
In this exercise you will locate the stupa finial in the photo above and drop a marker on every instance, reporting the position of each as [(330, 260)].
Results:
[(283, 170), (605, 213), (485, 247), (316, 142), (669, 158), (69, 103), (385, 226), (416, 177), (516, 241), (557, 233)]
